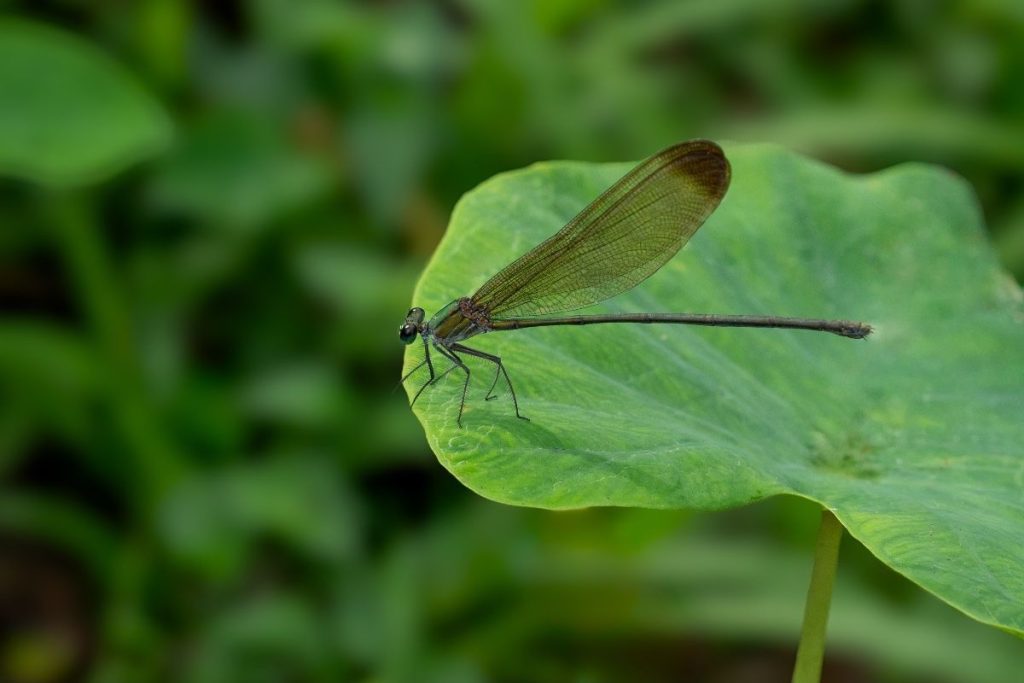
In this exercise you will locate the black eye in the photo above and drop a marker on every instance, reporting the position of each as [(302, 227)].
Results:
[(407, 333)]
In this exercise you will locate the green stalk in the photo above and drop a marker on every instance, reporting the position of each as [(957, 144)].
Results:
[(151, 461), (151, 464), (811, 650)]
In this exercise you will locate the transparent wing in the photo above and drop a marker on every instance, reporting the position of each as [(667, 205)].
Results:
[(616, 242)]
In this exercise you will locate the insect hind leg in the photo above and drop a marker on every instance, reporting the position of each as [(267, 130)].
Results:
[(500, 371)]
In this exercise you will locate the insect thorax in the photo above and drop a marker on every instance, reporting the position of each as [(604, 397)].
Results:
[(475, 313)]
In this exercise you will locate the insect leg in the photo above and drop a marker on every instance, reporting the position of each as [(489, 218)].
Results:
[(434, 377), (501, 369), (411, 372), (446, 351)]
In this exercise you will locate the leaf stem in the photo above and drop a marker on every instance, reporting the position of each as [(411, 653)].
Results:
[(811, 650), (152, 462)]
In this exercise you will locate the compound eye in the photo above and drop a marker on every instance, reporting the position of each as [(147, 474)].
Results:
[(407, 333)]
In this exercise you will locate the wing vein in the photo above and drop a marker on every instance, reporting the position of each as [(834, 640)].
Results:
[(617, 241)]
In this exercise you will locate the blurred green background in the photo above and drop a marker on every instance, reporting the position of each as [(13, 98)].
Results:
[(206, 473)]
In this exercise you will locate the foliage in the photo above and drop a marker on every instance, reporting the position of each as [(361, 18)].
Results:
[(70, 114), (200, 323), (912, 437)]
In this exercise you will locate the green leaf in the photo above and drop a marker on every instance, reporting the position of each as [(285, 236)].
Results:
[(357, 285), (239, 172), (70, 115), (265, 638), (913, 437), (51, 377), (212, 521), (62, 523), (303, 393)]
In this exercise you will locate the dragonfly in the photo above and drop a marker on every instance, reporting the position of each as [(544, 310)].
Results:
[(620, 239)]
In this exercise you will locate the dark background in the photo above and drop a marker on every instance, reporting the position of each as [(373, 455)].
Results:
[(254, 502)]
